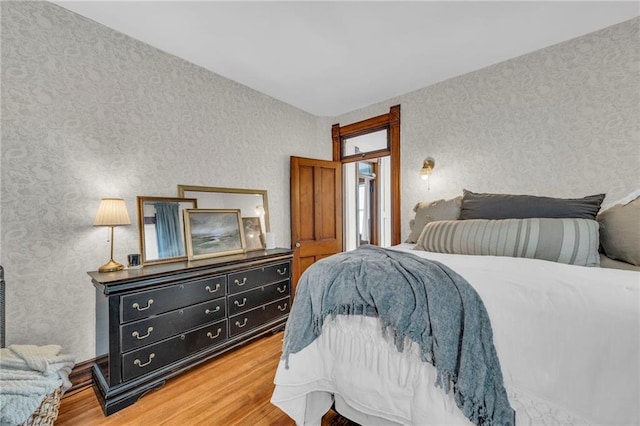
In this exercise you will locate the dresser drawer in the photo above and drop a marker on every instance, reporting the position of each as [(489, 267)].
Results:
[(251, 278), (153, 302), (152, 357), (246, 300), (150, 330), (246, 321)]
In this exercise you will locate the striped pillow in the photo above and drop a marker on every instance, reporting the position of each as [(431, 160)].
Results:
[(572, 241)]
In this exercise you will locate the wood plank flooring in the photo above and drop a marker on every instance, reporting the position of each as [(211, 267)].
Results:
[(233, 389)]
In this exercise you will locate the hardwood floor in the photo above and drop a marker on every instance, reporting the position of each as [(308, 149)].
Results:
[(233, 389)]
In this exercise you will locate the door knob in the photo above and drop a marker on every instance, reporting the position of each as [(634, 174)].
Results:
[(298, 244)]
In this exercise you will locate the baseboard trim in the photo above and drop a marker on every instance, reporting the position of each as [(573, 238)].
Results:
[(80, 377)]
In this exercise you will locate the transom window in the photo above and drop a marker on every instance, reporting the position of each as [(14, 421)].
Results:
[(364, 144)]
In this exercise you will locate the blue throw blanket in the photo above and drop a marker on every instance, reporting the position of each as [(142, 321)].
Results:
[(416, 298)]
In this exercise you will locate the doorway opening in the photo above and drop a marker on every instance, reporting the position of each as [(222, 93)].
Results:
[(367, 203), (369, 152)]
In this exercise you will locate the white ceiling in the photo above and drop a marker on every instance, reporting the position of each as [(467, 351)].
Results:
[(328, 58)]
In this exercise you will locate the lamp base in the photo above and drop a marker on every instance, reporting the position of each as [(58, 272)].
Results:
[(111, 266)]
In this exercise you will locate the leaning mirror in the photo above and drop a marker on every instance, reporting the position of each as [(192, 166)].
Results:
[(161, 226), (251, 202)]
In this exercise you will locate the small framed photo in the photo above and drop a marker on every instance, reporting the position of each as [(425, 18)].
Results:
[(213, 232), (253, 235)]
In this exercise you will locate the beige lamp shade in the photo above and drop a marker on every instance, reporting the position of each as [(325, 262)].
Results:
[(112, 212)]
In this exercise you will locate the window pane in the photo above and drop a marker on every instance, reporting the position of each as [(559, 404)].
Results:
[(375, 141), (365, 168)]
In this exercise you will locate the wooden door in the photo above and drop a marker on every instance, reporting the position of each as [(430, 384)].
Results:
[(316, 211)]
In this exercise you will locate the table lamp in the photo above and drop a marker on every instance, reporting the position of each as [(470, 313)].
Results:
[(112, 212)]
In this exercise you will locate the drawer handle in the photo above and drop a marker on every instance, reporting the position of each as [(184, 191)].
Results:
[(141, 364), (241, 325), (238, 304), (209, 311), (139, 337), (137, 306), (281, 309), (217, 287), (211, 336), (282, 271), (241, 283), (281, 290)]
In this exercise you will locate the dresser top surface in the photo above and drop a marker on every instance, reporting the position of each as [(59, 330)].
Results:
[(159, 270)]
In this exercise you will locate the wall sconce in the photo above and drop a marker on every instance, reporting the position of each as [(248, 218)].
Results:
[(112, 212), (427, 168)]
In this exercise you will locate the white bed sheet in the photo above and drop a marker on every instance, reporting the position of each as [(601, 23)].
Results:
[(568, 339)]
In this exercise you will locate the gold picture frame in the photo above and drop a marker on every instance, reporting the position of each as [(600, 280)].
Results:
[(213, 232), (253, 236), (149, 235)]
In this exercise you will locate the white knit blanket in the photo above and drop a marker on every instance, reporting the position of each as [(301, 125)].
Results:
[(28, 373)]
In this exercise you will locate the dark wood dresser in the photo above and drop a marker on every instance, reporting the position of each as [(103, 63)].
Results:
[(155, 322)]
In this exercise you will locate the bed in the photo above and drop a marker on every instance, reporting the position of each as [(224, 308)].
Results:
[(567, 337)]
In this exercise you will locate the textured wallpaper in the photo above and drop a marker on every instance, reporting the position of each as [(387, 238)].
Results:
[(89, 113), (562, 121)]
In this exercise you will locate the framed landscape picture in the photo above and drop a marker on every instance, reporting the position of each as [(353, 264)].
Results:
[(253, 234), (213, 232)]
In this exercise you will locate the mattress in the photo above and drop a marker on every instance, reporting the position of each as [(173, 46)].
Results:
[(568, 339)]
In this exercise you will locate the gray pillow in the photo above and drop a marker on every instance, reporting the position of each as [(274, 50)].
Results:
[(507, 206), (607, 262), (571, 241), (620, 232), (430, 211)]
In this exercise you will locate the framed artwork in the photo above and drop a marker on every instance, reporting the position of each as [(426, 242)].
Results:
[(213, 232), (253, 235)]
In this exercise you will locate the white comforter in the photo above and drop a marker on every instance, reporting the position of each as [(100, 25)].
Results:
[(568, 339)]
